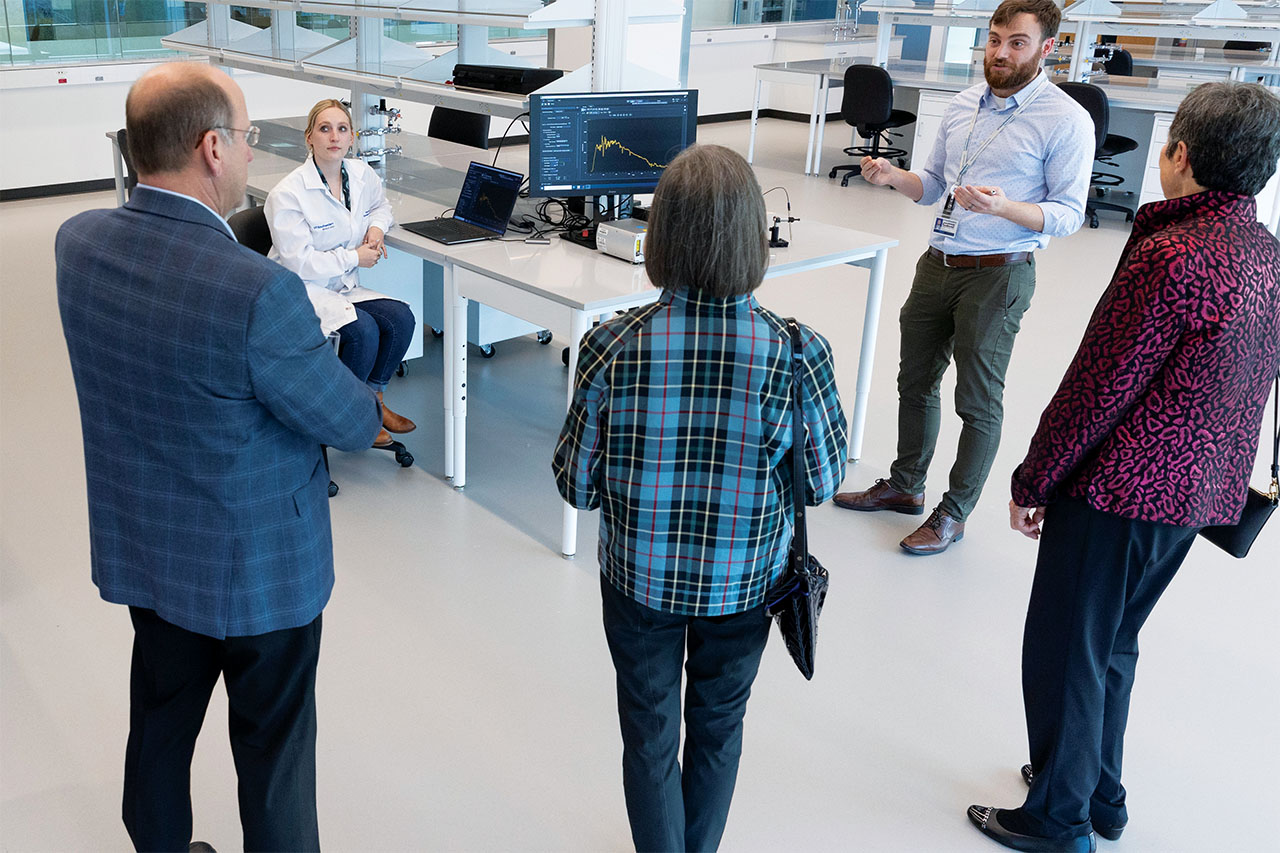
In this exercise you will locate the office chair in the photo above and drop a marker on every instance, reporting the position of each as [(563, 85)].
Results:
[(1106, 146), (458, 126), (1120, 64), (251, 230), (130, 177), (868, 106)]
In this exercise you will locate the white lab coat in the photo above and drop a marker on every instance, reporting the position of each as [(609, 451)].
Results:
[(314, 235)]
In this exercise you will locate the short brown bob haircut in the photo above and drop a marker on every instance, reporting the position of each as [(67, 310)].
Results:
[(1046, 12), (707, 226)]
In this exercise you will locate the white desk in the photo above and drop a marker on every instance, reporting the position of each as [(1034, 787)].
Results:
[(568, 285), (564, 285)]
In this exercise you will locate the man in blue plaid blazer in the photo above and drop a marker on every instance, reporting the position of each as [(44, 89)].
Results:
[(206, 390)]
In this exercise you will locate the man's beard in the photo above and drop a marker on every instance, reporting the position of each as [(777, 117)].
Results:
[(1011, 76)]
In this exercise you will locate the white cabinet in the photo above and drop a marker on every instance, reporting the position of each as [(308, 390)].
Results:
[(929, 113)]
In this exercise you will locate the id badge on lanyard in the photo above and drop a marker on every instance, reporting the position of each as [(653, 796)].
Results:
[(945, 223)]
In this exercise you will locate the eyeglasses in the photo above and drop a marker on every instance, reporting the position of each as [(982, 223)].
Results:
[(251, 134)]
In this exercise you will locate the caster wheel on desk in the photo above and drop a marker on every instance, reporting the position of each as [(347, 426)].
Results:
[(402, 369), (488, 350), (844, 182), (1093, 222), (333, 488), (831, 174), (544, 337), (902, 163), (437, 333)]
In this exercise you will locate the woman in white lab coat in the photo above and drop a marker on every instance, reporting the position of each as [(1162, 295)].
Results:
[(327, 219)]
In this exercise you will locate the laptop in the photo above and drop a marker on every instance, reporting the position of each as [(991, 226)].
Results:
[(484, 207)]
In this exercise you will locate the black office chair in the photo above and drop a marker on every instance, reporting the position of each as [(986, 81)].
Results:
[(458, 126), (868, 106), (251, 230), (130, 178), (1120, 64), (1106, 146)]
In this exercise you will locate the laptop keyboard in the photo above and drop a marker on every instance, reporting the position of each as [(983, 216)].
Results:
[(458, 228)]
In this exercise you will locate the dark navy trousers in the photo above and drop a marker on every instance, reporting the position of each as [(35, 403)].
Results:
[(670, 807), (1097, 578), (270, 681)]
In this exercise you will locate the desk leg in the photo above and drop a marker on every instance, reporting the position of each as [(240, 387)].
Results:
[(458, 428), (813, 125), (866, 358), (1080, 41), (117, 163), (755, 119), (447, 368), (822, 123), (579, 322)]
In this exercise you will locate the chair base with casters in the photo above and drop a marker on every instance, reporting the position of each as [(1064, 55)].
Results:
[(1101, 182), (874, 149)]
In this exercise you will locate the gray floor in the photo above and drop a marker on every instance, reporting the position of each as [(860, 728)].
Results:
[(465, 690)]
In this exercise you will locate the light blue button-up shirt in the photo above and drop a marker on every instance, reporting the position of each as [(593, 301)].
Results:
[(1044, 156)]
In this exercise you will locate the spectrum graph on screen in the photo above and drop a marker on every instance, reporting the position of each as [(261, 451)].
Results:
[(607, 143)]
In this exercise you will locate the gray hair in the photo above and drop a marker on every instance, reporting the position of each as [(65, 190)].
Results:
[(165, 126), (1232, 132), (707, 227)]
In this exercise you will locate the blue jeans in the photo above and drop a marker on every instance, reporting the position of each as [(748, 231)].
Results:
[(375, 343), (669, 808)]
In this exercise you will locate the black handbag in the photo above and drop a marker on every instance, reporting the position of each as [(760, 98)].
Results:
[(796, 601), (1236, 539)]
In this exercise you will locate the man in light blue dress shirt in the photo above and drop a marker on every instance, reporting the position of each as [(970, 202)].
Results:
[(1010, 169)]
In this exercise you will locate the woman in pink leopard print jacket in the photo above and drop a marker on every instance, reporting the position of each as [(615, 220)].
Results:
[(1152, 435)]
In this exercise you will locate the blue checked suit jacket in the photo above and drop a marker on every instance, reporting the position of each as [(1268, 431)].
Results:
[(206, 390)]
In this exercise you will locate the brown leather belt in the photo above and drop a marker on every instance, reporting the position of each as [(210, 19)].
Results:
[(975, 262)]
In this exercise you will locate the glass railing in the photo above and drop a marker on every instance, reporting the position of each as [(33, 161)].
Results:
[(90, 31)]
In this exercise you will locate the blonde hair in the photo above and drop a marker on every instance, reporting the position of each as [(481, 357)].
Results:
[(314, 116)]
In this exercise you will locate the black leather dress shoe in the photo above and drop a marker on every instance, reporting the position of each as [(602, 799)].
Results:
[(1111, 832), (987, 819)]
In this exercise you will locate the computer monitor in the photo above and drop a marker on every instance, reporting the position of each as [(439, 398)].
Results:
[(607, 143)]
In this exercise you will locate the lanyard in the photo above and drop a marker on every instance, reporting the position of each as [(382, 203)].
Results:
[(965, 160), (346, 184)]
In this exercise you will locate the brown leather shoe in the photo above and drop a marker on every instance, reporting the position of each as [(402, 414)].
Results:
[(935, 535), (382, 439), (393, 422), (881, 496)]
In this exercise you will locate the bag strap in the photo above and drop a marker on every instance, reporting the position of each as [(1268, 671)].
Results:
[(800, 535), (1274, 491)]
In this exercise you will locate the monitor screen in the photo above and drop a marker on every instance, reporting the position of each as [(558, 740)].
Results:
[(488, 196), (607, 142)]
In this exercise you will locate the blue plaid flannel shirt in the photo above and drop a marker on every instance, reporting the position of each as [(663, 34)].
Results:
[(680, 432)]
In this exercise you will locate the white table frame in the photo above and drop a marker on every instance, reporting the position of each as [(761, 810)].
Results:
[(472, 276)]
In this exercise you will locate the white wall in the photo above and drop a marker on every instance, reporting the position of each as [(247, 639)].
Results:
[(54, 132)]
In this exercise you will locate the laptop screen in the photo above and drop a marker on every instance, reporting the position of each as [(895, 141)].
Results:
[(488, 196)]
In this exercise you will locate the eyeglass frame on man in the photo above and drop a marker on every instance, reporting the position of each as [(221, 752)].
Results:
[(252, 133)]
